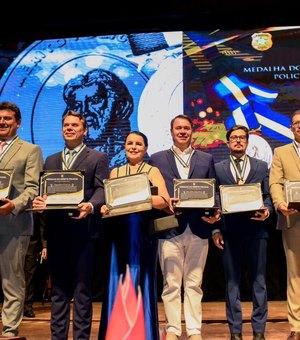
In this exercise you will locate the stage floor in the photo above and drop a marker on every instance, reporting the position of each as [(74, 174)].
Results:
[(214, 322)]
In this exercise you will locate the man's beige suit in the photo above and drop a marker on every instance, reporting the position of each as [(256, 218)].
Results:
[(286, 166), (15, 229)]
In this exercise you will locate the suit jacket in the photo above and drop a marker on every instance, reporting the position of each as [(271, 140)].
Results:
[(285, 166), (26, 160), (201, 166), (95, 166), (238, 224)]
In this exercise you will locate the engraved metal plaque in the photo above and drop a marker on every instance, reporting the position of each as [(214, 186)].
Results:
[(127, 194), (64, 189), (292, 194), (195, 193), (5, 182), (241, 198)]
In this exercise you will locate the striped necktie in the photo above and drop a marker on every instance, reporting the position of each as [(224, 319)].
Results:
[(71, 154)]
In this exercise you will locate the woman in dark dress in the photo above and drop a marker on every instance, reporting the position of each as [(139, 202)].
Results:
[(130, 240)]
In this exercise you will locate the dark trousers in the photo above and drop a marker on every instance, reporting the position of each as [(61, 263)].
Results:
[(71, 265), (254, 252), (31, 265)]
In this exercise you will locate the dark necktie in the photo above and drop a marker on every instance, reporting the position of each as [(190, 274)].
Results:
[(238, 164)]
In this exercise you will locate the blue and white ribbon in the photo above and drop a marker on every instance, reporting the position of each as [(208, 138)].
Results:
[(250, 107)]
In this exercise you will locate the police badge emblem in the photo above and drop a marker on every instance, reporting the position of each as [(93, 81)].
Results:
[(261, 41)]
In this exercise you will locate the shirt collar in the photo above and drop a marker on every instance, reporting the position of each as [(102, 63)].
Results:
[(8, 140), (187, 151), (241, 158), (78, 147)]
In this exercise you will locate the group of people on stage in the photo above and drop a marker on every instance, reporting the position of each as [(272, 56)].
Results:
[(181, 251)]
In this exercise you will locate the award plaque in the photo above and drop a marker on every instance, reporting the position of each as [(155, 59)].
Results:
[(64, 189), (195, 193), (241, 198), (127, 194), (292, 194), (5, 182)]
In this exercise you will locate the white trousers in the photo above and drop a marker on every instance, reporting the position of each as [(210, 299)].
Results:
[(182, 261)]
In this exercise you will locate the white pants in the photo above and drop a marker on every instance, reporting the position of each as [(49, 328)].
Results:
[(182, 261)]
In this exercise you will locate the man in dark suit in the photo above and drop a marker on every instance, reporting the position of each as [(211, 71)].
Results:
[(71, 240), (183, 250), (244, 234)]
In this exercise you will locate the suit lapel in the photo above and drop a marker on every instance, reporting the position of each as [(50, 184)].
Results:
[(13, 150), (295, 156), (253, 169), (193, 163), (172, 162), (227, 172), (81, 158), (59, 162)]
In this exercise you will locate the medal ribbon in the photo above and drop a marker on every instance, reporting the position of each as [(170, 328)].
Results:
[(140, 168), (296, 148), (180, 160), (240, 173)]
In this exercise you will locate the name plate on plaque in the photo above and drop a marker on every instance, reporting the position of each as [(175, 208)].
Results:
[(64, 189), (5, 182), (241, 198), (127, 194), (292, 194), (195, 193)]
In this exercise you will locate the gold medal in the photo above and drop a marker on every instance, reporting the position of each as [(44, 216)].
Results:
[(240, 181)]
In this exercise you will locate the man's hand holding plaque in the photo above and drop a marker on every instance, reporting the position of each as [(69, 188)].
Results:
[(62, 190), (81, 211), (39, 203)]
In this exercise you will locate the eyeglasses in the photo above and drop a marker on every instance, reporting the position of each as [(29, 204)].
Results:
[(235, 138), (296, 124)]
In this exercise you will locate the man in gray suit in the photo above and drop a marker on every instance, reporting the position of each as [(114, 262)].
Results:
[(286, 167), (16, 224), (71, 241)]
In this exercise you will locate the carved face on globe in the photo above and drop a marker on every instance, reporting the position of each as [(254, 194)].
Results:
[(106, 103)]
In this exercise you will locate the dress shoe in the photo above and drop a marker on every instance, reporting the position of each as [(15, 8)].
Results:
[(236, 336), (259, 336), (29, 313), (171, 336), (294, 336), (195, 337)]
